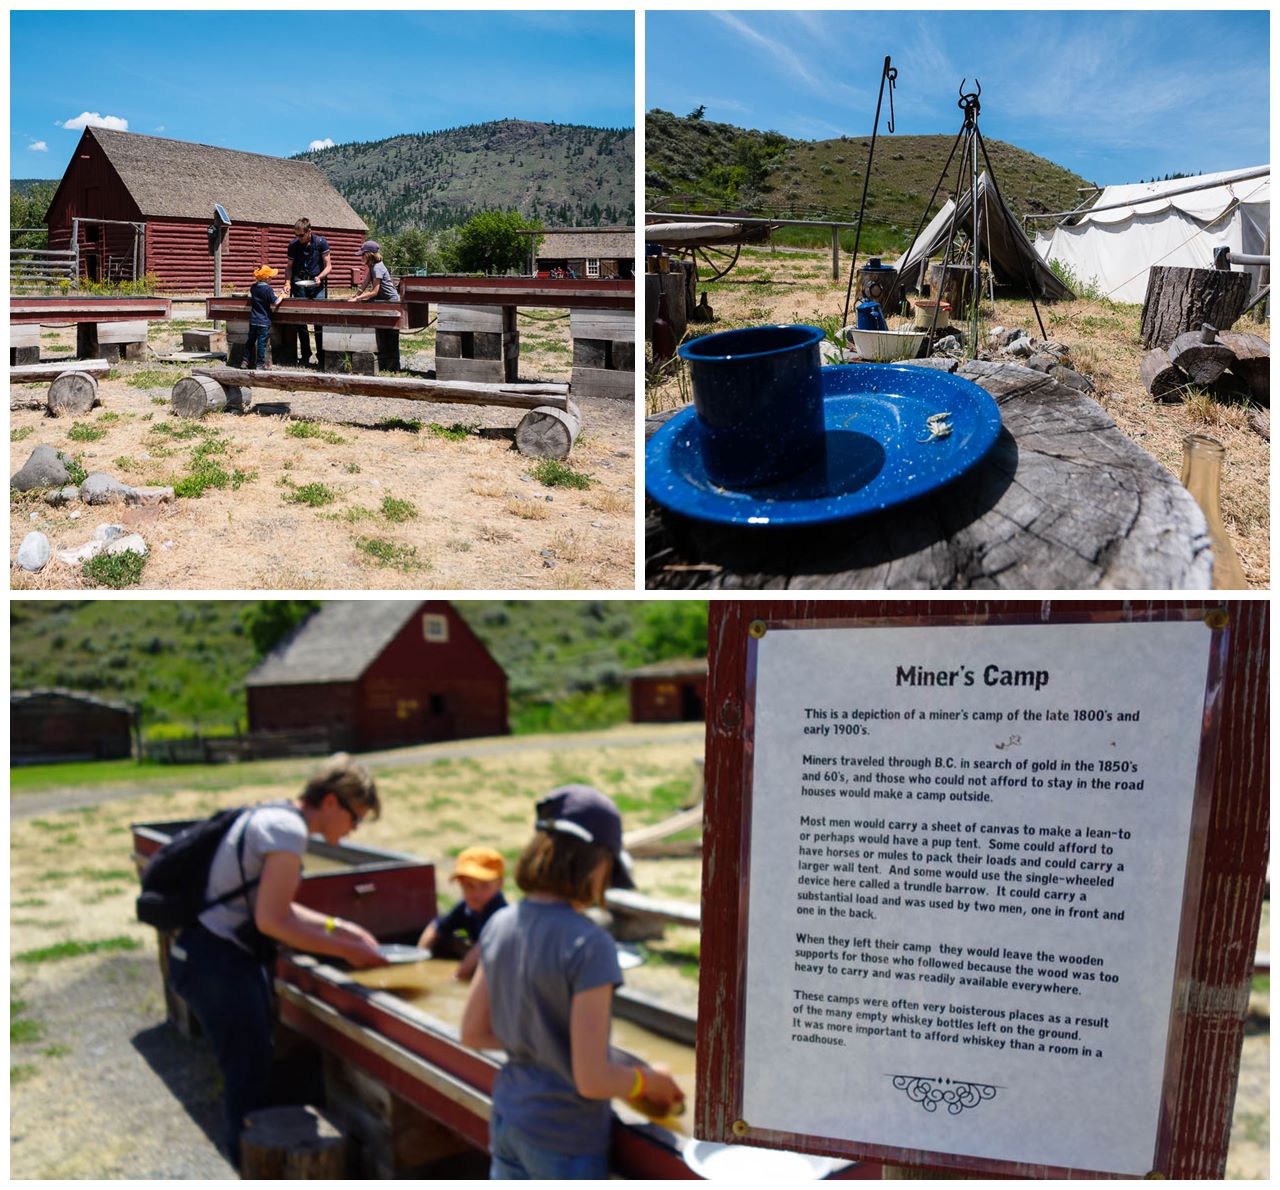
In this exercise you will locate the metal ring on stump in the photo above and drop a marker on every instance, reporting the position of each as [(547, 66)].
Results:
[(292, 1142)]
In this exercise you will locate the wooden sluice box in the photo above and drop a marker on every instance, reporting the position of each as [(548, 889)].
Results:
[(396, 1075)]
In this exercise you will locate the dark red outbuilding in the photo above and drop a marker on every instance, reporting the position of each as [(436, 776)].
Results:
[(57, 725), (669, 692), (381, 674), (141, 204)]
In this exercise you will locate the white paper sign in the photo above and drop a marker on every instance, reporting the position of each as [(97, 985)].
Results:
[(968, 851)]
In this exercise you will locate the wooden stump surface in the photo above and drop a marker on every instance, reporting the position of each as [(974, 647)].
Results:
[(1180, 299), (547, 432), (72, 392), (293, 1143), (1064, 501)]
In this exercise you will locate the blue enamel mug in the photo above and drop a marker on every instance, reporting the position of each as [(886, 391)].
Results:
[(758, 397)]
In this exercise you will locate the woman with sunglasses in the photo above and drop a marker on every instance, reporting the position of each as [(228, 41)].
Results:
[(220, 966)]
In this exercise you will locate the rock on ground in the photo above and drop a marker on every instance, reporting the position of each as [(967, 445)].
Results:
[(44, 468), (34, 551)]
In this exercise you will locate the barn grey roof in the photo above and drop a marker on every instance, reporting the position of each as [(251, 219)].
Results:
[(336, 644), (72, 695), (608, 243), (184, 180)]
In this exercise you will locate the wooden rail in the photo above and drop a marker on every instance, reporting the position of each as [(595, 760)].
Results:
[(456, 392), (572, 294), (303, 312), (25, 310)]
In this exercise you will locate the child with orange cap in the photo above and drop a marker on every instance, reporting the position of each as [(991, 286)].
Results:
[(479, 872), (262, 301)]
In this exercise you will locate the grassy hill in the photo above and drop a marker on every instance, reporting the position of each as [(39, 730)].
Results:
[(184, 662), (562, 174), (765, 173)]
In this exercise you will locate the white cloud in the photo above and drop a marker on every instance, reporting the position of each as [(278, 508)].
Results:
[(38, 146), (96, 120), (327, 143), (159, 127)]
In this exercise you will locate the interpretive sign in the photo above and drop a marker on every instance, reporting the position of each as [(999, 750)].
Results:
[(969, 847)]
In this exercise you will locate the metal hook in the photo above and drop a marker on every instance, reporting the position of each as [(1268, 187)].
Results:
[(968, 102), (890, 73)]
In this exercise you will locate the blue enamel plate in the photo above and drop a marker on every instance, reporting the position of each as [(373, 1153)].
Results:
[(893, 433)]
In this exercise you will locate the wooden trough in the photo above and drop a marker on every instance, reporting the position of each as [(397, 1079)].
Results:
[(548, 429)]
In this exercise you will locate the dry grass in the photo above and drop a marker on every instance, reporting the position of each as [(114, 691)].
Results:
[(784, 286), (470, 530)]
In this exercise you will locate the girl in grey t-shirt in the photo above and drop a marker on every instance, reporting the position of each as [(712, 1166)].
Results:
[(544, 994), (377, 285)]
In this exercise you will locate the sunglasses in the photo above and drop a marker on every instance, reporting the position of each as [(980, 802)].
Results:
[(356, 819)]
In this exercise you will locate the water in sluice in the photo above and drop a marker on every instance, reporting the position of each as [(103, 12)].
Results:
[(431, 987)]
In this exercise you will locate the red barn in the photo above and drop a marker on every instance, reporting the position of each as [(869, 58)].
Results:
[(141, 204), (381, 673)]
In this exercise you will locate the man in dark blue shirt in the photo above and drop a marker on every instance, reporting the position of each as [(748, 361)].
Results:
[(309, 265)]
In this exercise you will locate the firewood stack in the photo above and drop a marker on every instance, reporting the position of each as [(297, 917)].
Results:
[(1183, 309)]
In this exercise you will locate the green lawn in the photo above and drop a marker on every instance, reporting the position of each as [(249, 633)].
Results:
[(145, 777)]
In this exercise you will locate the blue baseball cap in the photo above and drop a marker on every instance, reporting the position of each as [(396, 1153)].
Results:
[(587, 814)]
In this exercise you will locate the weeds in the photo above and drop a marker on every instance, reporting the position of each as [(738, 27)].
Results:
[(399, 423), (552, 473), (155, 378), (310, 429), (73, 949), (398, 511), (82, 431), (388, 553), (116, 570), (454, 433), (313, 495), (17, 435)]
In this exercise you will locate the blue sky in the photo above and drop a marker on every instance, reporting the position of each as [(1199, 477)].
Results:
[(235, 78), (1114, 96)]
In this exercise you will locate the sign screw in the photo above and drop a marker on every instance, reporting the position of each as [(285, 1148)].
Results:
[(741, 1127), (1217, 618), (757, 628)]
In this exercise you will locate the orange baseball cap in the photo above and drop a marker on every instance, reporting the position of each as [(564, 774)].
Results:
[(480, 863), (262, 272)]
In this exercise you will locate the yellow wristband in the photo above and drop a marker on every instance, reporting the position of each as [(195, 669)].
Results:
[(637, 1087), (330, 924)]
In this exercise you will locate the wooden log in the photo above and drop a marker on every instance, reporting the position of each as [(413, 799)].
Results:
[(1200, 356), (34, 373), (515, 396), (1260, 424), (194, 396), (292, 1143), (1161, 378), (675, 286), (548, 433), (1253, 362), (72, 392), (1181, 299)]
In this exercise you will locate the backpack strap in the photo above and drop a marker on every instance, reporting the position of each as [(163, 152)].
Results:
[(245, 888)]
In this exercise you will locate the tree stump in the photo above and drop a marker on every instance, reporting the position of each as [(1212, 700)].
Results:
[(1160, 377), (548, 433), (292, 1143), (194, 396), (1253, 362), (71, 392), (1200, 356), (1181, 299)]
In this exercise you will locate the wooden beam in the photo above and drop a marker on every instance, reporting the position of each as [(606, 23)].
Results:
[(34, 373), (86, 309), (453, 392)]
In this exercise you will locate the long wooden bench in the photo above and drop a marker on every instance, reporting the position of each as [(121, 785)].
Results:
[(106, 328), (548, 429)]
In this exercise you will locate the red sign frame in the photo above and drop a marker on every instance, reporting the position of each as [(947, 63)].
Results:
[(1223, 892)]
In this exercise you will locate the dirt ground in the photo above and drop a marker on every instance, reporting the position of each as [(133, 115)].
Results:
[(101, 1087), (795, 286), (310, 512)]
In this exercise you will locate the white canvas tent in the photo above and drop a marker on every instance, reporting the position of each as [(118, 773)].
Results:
[(1013, 258), (1145, 224)]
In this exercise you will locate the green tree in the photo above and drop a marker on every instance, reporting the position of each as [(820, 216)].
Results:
[(673, 628), (271, 620), (698, 112), (490, 242), (29, 210)]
